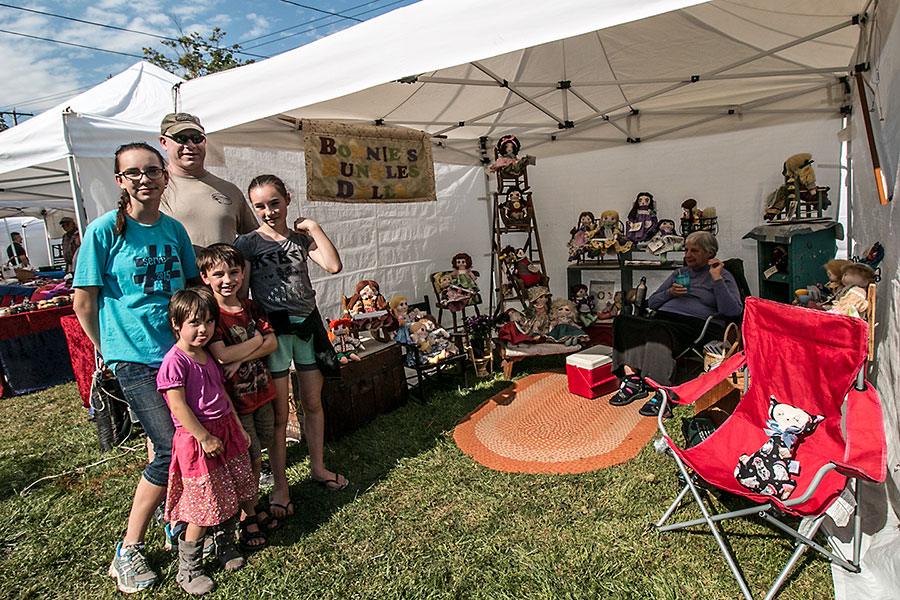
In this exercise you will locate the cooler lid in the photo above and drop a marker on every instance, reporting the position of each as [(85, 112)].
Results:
[(593, 357)]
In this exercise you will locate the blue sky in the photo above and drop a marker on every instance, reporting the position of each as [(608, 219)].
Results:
[(37, 74)]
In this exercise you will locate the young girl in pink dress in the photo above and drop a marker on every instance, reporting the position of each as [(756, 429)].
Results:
[(210, 477)]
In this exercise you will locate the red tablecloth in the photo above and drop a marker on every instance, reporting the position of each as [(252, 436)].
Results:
[(81, 351), (17, 332)]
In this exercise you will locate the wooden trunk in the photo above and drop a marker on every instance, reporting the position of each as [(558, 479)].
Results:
[(370, 387)]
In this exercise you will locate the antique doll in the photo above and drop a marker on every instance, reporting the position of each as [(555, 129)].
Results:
[(834, 268), (367, 298), (463, 275), (585, 305), (665, 240), (581, 235), (508, 161), (640, 225), (515, 207), (529, 274), (345, 345), (610, 235), (690, 216), (511, 328), (402, 314), (563, 329), (853, 299), (537, 323)]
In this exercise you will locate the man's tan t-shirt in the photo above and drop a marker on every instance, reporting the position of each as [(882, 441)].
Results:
[(211, 209)]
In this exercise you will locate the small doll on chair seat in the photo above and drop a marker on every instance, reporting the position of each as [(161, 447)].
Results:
[(768, 471), (852, 299)]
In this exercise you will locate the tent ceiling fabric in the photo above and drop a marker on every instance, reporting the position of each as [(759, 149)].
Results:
[(755, 63)]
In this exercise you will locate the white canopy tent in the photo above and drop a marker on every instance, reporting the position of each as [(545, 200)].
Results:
[(681, 98), (725, 91), (60, 160)]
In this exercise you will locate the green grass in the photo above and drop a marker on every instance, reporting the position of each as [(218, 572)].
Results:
[(421, 520)]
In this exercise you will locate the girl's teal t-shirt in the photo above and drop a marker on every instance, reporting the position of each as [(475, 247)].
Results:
[(137, 274)]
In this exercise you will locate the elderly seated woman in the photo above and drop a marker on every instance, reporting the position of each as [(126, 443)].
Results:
[(646, 346)]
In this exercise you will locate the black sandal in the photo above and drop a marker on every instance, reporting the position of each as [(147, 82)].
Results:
[(270, 523), (245, 536)]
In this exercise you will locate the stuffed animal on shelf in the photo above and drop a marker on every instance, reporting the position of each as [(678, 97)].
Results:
[(799, 188), (515, 210), (852, 300), (768, 471), (585, 304), (563, 329), (508, 162), (641, 223), (610, 237), (345, 345), (665, 240), (582, 234)]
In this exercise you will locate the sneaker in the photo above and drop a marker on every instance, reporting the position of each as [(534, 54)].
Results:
[(130, 570), (632, 388), (651, 408)]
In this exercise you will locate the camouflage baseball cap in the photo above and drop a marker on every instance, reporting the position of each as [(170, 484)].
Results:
[(174, 123)]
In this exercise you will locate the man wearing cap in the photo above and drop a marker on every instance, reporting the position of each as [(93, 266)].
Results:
[(211, 209), (71, 240)]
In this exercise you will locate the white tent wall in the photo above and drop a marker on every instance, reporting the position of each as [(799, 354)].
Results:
[(733, 172), (871, 222), (397, 245)]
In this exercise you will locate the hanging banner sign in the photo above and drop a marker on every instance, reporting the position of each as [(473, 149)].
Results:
[(367, 164)]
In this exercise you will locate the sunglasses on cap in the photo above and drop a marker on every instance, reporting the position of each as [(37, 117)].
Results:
[(182, 138)]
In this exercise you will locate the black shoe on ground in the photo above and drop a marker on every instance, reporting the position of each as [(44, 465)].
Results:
[(632, 388), (651, 408)]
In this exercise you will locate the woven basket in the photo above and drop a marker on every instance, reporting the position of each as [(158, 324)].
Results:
[(24, 275), (718, 351)]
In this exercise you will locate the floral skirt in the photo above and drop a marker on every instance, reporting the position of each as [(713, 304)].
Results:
[(208, 491)]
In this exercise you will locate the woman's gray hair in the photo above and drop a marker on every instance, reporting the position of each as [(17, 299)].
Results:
[(706, 241)]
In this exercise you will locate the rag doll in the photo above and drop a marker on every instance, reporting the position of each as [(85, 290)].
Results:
[(508, 162), (515, 208), (367, 298), (581, 235), (690, 216), (518, 266), (665, 240), (537, 323), (585, 305), (853, 297), (345, 345), (610, 236), (511, 328), (562, 324), (799, 187), (641, 224), (768, 471), (463, 275)]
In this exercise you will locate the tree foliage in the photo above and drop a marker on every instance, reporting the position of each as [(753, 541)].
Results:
[(195, 55)]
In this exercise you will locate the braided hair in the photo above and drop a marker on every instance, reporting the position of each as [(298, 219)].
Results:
[(125, 199)]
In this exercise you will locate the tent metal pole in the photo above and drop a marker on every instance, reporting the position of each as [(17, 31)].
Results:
[(74, 183), (512, 88), (609, 120), (493, 112), (47, 240)]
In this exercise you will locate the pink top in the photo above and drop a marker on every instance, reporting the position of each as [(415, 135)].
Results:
[(203, 385)]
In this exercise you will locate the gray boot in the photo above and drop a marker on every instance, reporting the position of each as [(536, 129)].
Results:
[(190, 568), (227, 553)]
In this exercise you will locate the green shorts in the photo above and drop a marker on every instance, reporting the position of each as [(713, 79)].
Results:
[(292, 348)]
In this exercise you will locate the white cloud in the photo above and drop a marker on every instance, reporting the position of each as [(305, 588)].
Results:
[(261, 26), (29, 74)]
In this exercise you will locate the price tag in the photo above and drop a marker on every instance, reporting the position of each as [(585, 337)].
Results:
[(770, 271)]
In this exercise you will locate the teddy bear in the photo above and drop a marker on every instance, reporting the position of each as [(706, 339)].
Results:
[(769, 470)]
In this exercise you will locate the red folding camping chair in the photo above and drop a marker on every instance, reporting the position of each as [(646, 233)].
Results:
[(813, 363)]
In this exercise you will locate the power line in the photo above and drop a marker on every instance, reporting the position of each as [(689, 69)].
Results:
[(125, 29), (43, 39), (52, 96), (296, 33), (302, 24), (313, 8)]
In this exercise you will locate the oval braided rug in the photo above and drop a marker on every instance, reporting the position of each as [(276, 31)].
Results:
[(537, 426)]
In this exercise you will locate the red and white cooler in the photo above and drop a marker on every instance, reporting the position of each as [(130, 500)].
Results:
[(590, 372)]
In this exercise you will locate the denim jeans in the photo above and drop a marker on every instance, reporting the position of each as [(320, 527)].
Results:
[(147, 404)]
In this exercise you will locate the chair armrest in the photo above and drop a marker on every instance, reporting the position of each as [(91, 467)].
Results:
[(687, 393), (866, 451)]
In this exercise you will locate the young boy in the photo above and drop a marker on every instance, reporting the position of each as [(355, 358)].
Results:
[(243, 338)]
